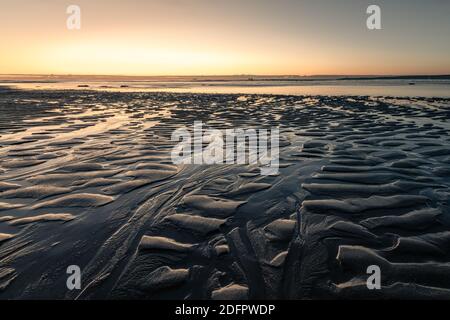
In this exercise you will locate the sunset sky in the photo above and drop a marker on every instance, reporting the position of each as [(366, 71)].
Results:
[(212, 37)]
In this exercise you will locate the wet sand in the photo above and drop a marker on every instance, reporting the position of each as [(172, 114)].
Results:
[(87, 180)]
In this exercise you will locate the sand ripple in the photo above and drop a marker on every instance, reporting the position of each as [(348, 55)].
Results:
[(87, 179)]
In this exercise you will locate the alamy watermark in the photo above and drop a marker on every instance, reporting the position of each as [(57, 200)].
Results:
[(73, 281), (73, 21), (230, 146), (374, 20), (374, 280)]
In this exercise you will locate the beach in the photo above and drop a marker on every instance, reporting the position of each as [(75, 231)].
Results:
[(87, 179)]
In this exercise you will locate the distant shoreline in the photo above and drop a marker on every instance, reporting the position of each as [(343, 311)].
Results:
[(9, 78)]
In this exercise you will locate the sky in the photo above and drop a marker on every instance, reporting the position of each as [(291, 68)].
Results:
[(218, 37)]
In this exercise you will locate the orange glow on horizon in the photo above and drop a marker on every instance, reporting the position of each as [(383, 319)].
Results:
[(181, 37)]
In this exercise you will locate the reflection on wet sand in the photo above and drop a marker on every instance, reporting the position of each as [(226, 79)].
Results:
[(87, 180)]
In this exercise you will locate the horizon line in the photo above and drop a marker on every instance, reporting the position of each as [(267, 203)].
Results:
[(228, 75)]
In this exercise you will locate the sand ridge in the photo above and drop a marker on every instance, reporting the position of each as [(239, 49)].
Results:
[(87, 179)]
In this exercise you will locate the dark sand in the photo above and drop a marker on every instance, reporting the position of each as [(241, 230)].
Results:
[(87, 179)]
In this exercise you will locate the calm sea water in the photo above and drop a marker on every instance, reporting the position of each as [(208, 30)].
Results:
[(397, 88)]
